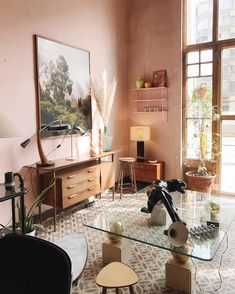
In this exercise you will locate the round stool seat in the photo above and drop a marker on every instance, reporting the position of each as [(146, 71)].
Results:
[(127, 159), (116, 275)]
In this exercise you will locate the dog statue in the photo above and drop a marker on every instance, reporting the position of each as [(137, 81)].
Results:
[(159, 193)]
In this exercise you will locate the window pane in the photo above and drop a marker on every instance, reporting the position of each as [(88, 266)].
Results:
[(193, 57), (194, 137), (228, 82), (206, 69), (228, 156), (193, 70), (199, 21), (199, 116), (226, 19), (206, 55)]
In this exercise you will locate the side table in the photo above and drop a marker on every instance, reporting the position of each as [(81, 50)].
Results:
[(148, 172)]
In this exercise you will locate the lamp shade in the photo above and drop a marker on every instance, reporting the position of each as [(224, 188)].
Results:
[(7, 129), (140, 133)]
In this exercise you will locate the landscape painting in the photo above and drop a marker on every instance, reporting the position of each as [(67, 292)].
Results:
[(63, 74)]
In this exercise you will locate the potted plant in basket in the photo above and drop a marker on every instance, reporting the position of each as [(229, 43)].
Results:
[(202, 114), (30, 226)]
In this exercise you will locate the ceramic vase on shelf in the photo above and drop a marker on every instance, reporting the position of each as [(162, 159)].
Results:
[(139, 83), (107, 141)]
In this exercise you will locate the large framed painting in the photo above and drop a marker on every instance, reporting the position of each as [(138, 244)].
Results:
[(63, 85)]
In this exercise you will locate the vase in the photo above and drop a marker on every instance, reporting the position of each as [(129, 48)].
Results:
[(107, 141), (92, 148), (139, 83)]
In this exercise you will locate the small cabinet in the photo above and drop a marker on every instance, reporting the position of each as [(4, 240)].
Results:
[(73, 185), (150, 100), (148, 172)]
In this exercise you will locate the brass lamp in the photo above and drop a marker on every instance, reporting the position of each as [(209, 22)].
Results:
[(140, 134)]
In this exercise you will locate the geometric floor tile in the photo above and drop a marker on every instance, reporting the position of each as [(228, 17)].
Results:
[(147, 261)]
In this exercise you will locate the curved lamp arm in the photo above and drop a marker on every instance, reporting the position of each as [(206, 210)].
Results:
[(43, 159)]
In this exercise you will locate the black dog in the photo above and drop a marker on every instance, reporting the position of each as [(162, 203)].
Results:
[(160, 193)]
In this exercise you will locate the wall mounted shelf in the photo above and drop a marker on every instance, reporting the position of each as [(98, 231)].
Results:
[(150, 100)]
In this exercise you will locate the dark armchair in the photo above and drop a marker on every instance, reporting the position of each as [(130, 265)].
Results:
[(30, 265)]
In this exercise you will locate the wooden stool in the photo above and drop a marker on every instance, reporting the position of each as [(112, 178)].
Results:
[(117, 275), (127, 161)]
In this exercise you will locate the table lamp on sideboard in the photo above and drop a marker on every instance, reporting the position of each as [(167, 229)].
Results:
[(140, 134)]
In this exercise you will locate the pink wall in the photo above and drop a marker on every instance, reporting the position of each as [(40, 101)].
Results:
[(96, 26), (155, 43), (101, 27)]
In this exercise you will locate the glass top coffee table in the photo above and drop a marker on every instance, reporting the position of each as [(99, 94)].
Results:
[(194, 208)]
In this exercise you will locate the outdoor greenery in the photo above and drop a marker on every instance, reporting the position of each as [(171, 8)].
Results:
[(56, 96), (202, 114)]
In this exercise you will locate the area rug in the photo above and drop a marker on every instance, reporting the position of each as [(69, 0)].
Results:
[(147, 261)]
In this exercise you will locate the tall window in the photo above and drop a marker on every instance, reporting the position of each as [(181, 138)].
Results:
[(209, 78)]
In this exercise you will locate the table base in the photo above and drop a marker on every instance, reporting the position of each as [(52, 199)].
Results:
[(121, 251), (179, 275)]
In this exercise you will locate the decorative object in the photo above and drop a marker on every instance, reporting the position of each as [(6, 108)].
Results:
[(43, 159), (107, 141), (100, 142), (177, 253), (63, 87), (29, 224), (74, 130), (202, 113), (140, 134), (9, 181), (160, 193), (115, 227), (158, 215), (159, 78), (92, 148), (148, 84), (104, 97), (139, 83)]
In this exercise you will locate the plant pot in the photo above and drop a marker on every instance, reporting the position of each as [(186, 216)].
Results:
[(200, 183)]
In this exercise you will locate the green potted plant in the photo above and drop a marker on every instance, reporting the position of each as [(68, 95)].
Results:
[(203, 113), (30, 226)]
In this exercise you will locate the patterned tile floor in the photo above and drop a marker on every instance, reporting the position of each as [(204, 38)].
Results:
[(147, 261)]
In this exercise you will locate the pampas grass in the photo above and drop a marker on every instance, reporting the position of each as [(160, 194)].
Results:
[(103, 95)]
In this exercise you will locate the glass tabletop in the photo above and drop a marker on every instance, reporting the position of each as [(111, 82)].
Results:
[(193, 208)]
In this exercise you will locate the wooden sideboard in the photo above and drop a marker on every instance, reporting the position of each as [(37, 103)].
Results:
[(148, 172), (76, 180)]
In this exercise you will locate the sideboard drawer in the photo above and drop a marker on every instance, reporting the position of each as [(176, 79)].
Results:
[(76, 197), (79, 176), (68, 189)]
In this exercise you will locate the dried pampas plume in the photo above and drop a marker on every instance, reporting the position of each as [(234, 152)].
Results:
[(104, 96)]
